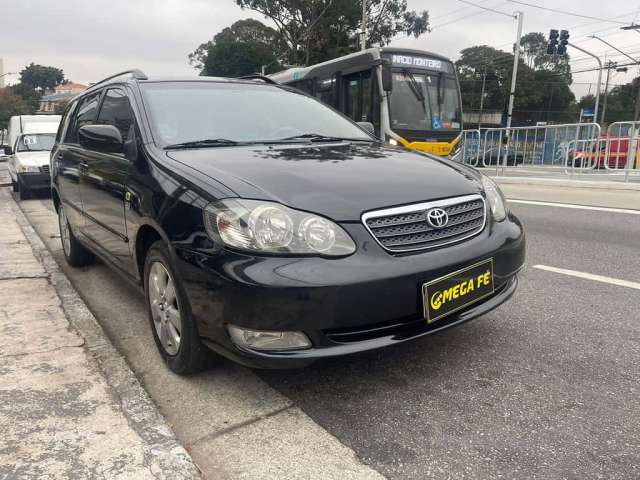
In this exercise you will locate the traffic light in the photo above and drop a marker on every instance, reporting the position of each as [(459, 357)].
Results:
[(564, 41), (552, 47)]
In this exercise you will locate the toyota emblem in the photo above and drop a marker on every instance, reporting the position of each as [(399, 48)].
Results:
[(437, 218)]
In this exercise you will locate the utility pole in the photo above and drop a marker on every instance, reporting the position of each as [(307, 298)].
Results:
[(632, 27), (512, 94), (484, 80), (363, 38), (609, 66)]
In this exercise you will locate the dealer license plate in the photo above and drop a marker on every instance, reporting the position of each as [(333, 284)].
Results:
[(448, 294)]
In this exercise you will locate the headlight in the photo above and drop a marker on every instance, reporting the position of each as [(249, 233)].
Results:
[(27, 168), (495, 198), (273, 228)]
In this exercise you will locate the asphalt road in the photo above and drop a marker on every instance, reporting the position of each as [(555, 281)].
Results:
[(546, 386)]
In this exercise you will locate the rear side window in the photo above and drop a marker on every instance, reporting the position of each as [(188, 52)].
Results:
[(66, 120), (86, 115), (116, 111)]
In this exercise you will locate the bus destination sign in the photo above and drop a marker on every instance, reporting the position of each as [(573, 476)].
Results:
[(420, 62)]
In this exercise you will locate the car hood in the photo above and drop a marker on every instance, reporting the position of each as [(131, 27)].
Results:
[(37, 159), (340, 181)]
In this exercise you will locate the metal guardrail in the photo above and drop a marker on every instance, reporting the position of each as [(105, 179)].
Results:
[(578, 148)]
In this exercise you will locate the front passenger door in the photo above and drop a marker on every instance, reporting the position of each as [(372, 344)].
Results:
[(103, 183)]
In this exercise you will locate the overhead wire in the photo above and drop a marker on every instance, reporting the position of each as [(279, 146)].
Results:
[(512, 15), (451, 12), (474, 14), (565, 12)]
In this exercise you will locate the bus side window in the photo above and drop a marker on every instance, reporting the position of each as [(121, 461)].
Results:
[(374, 108), (303, 85), (365, 114), (352, 86), (324, 90)]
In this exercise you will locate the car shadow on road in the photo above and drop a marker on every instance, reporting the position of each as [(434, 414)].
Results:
[(432, 359)]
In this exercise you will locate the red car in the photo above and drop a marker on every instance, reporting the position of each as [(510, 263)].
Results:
[(612, 153)]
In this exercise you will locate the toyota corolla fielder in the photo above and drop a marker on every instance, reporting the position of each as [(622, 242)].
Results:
[(271, 229)]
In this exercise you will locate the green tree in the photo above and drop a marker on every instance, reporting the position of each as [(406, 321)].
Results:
[(10, 105), (534, 49), (621, 102), (29, 95), (542, 87), (240, 49), (317, 30), (40, 77)]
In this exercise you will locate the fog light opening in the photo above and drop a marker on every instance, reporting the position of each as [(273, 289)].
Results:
[(268, 340)]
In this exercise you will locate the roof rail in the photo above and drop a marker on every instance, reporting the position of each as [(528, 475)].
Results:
[(257, 76), (135, 73)]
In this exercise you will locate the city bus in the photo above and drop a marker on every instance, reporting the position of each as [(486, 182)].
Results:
[(411, 97)]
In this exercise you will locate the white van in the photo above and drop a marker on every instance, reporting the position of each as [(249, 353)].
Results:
[(31, 140)]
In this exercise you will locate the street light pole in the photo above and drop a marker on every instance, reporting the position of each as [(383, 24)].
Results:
[(512, 94), (484, 80), (514, 73), (598, 85)]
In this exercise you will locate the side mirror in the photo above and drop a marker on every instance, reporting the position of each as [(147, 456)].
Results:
[(387, 79), (367, 127), (7, 150), (101, 138)]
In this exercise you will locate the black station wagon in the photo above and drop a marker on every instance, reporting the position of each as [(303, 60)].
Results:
[(270, 228)]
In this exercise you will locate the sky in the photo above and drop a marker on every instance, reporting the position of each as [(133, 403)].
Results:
[(91, 39)]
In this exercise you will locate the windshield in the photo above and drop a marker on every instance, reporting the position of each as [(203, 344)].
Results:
[(183, 112), (424, 101), (37, 142)]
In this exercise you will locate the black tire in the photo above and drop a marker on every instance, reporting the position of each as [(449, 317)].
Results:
[(191, 356), (75, 253)]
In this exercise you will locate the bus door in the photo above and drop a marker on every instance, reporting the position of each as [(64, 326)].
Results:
[(361, 98)]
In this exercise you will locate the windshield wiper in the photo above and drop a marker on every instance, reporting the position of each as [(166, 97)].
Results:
[(210, 142), (316, 137), (415, 88)]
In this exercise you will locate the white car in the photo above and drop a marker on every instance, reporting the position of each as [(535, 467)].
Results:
[(28, 164)]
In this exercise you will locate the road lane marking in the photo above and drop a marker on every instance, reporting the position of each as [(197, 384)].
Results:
[(590, 276), (574, 206)]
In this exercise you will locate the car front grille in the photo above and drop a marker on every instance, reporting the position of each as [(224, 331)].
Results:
[(405, 229), (45, 169)]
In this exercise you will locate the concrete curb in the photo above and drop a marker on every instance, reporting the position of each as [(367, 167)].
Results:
[(561, 182), (163, 454)]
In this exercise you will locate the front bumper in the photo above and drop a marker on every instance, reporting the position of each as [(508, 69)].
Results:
[(35, 180), (369, 300)]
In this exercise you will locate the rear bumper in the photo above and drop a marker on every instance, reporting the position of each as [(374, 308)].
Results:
[(35, 180), (367, 301)]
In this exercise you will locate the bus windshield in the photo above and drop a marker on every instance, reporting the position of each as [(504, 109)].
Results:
[(424, 101)]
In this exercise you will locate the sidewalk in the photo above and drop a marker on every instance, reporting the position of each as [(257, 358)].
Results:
[(5, 179), (69, 405)]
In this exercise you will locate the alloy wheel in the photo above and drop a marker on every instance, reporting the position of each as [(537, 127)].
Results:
[(164, 307)]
